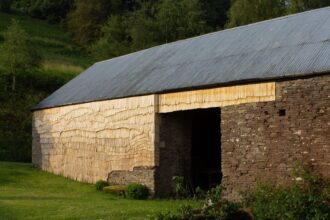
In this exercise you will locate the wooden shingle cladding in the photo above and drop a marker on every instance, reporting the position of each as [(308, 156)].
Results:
[(87, 141), (218, 97)]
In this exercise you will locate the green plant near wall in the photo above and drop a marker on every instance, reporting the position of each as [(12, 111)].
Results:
[(180, 187), (308, 198), (136, 191), (99, 185), (214, 206)]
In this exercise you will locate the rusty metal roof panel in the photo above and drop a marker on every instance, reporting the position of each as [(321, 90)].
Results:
[(284, 47)]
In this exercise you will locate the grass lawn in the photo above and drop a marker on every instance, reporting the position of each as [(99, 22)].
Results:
[(28, 193)]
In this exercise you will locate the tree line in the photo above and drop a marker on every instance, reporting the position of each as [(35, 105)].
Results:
[(110, 28)]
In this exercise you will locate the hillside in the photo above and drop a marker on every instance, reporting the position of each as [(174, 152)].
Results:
[(61, 61), (53, 43)]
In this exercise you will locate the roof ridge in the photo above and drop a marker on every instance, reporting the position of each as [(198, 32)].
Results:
[(215, 32), (208, 61)]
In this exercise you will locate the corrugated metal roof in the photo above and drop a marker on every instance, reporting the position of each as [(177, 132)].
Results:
[(283, 47)]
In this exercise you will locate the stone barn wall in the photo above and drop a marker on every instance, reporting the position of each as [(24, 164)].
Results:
[(174, 150), (268, 140), (88, 141)]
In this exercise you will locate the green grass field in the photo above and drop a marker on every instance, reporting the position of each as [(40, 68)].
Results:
[(28, 193)]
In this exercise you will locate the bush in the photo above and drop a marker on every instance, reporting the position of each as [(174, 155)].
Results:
[(199, 193), (214, 207), (136, 191), (99, 185), (308, 198), (51, 10), (163, 216), (181, 187), (117, 190)]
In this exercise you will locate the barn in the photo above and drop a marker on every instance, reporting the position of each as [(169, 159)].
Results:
[(228, 107)]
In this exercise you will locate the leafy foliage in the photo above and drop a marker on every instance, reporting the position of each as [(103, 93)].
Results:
[(217, 207), (181, 19), (136, 191), (143, 26), (99, 185), (164, 216), (16, 54), (61, 61), (213, 207), (115, 40), (245, 12), (87, 17), (180, 187), (216, 12), (51, 10), (295, 6), (308, 198), (151, 23)]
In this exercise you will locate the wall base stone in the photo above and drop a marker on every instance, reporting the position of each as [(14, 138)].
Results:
[(144, 175)]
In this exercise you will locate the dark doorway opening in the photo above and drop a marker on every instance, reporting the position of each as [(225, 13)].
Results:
[(189, 146), (205, 149)]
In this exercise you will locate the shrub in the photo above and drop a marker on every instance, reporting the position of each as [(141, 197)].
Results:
[(99, 185), (51, 10), (199, 193), (136, 191), (117, 190), (214, 207), (308, 198), (163, 216), (181, 188)]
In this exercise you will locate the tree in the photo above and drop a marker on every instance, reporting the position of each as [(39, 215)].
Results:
[(295, 6), (115, 39), (216, 12), (132, 31), (151, 23), (52, 10), (144, 28), (181, 19), (87, 18), (16, 55), (244, 12)]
